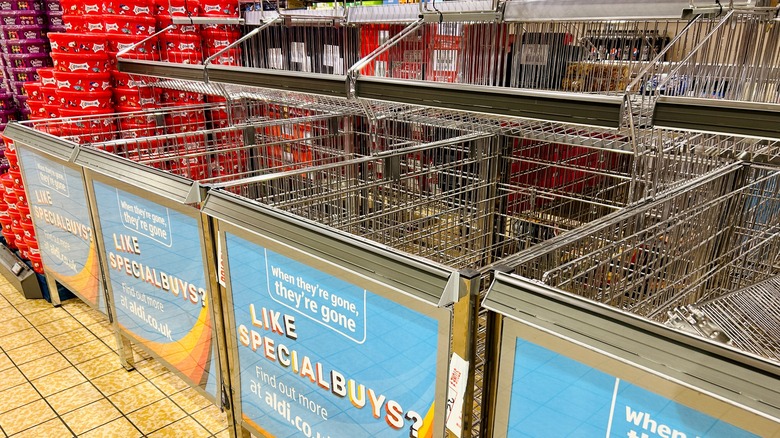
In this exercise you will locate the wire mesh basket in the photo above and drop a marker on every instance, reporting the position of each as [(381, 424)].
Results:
[(716, 234)]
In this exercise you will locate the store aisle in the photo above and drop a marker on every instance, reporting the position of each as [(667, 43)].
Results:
[(60, 376)]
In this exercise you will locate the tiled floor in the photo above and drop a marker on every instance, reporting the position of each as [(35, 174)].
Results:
[(60, 376)]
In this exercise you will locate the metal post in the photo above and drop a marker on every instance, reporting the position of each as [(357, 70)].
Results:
[(492, 359), (464, 338), (218, 292)]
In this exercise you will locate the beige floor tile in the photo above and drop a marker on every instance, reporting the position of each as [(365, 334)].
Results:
[(190, 400), (74, 398), (91, 317), (45, 316), (31, 352), (5, 362), (224, 434), (119, 428), (136, 397), (10, 378), (150, 368), (110, 341), (85, 352), (75, 306), (59, 327), (14, 325), (184, 427), (101, 329), (20, 339), (10, 313), (25, 417), (156, 416), (100, 366), (17, 396), (169, 383), (14, 296), (43, 366), (59, 381), (3, 302), (211, 418), (91, 416), (31, 306), (116, 381), (72, 339), (52, 428)]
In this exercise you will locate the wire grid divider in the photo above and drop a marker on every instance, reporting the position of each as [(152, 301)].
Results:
[(550, 188), (402, 189), (738, 60), (670, 158), (657, 77), (592, 57), (202, 143), (746, 319), (716, 234)]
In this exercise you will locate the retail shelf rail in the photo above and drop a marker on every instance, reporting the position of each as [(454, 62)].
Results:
[(726, 88)]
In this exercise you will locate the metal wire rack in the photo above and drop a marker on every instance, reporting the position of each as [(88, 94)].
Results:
[(397, 186), (746, 69), (713, 235), (210, 143), (746, 319)]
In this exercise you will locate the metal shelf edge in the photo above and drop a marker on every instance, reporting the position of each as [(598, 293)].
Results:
[(711, 115)]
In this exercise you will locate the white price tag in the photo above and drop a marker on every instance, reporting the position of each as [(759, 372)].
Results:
[(380, 69), (458, 377), (331, 55), (298, 52), (275, 59), (534, 54), (445, 60)]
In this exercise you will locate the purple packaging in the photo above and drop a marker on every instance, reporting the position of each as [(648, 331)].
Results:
[(24, 74), (21, 101), (53, 6), (23, 47), (20, 5), (6, 101), (22, 18), (55, 19), (7, 116), (34, 32), (24, 113), (37, 60), (17, 88)]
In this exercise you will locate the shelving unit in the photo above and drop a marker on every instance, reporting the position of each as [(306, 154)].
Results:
[(611, 152)]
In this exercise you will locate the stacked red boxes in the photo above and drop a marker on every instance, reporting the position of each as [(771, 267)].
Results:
[(84, 84), (227, 155), (189, 122), (182, 44), (290, 155), (217, 37), (25, 48), (15, 216), (373, 36), (446, 54)]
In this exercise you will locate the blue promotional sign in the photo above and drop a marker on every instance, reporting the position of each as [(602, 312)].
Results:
[(554, 396), (59, 209), (321, 357), (158, 282)]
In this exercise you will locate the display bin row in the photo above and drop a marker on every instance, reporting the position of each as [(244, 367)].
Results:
[(642, 69), (338, 235)]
